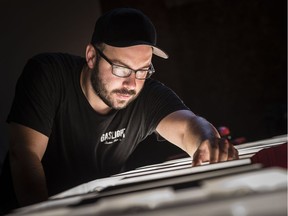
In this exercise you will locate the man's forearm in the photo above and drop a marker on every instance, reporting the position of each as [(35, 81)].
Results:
[(196, 136), (28, 178), (197, 131)]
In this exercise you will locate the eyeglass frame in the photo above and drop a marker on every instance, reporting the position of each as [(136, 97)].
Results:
[(149, 71)]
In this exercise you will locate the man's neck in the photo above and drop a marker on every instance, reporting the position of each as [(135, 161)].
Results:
[(94, 100)]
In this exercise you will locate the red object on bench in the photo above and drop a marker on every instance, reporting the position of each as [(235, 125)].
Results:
[(273, 156)]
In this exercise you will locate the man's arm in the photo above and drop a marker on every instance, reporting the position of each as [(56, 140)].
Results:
[(196, 136), (26, 149)]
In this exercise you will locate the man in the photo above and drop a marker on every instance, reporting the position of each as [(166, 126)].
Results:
[(74, 119)]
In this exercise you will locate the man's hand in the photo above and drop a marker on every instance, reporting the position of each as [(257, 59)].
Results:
[(217, 150), (197, 137)]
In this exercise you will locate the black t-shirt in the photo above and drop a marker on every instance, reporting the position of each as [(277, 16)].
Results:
[(83, 145)]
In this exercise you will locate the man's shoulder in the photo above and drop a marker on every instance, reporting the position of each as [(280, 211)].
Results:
[(54, 66), (56, 57), (53, 63), (152, 83)]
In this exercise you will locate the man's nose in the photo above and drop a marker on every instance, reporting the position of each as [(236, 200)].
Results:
[(130, 82)]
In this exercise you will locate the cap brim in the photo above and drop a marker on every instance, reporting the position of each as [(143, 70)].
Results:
[(156, 51), (159, 52)]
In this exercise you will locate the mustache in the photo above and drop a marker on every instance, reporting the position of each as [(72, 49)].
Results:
[(124, 91)]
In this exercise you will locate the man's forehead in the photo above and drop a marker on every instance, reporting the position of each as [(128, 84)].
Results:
[(139, 55)]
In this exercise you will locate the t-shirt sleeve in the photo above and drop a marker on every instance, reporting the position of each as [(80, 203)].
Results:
[(160, 101), (35, 100)]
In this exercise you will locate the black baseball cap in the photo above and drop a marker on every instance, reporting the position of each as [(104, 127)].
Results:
[(124, 27)]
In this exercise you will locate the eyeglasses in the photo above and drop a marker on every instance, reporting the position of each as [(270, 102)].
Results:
[(122, 71)]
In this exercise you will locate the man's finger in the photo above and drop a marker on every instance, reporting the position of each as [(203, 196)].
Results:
[(233, 153), (214, 151), (224, 146), (197, 160)]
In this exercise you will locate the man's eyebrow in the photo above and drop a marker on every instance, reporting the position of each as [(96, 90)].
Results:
[(120, 63)]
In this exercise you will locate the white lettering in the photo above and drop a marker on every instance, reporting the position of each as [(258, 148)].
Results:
[(113, 136)]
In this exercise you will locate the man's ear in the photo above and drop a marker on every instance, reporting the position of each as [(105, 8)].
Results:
[(90, 56)]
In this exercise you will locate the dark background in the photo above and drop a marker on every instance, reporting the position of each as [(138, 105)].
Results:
[(227, 62)]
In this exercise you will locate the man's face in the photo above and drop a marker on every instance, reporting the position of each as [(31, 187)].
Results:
[(117, 92)]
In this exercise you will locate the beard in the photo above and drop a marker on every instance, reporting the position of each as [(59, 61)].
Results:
[(100, 88)]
